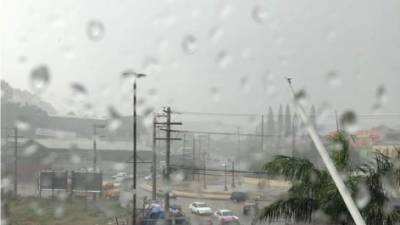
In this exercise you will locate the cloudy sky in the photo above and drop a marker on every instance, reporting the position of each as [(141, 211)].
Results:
[(208, 56)]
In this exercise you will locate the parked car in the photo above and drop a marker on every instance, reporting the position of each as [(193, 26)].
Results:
[(224, 214), (250, 207), (239, 196), (119, 177), (200, 208), (232, 220)]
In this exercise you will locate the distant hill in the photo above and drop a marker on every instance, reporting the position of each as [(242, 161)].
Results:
[(23, 97)]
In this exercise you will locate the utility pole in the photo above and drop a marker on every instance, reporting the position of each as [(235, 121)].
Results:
[(15, 162), (15, 129), (238, 162), (137, 76), (168, 136), (337, 122), (194, 155), (154, 164), (233, 174), (262, 133), (294, 134), (226, 178), (167, 158)]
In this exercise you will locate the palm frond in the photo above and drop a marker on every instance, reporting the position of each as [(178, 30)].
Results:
[(291, 168), (291, 209)]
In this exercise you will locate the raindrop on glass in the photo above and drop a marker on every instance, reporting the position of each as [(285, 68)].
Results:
[(226, 11), (59, 211), (114, 121), (349, 121), (223, 59), (216, 34), (244, 83), (22, 124), (30, 150), (75, 158), (333, 78), (362, 197), (381, 94), (40, 78), (189, 44), (78, 89), (215, 94), (259, 14), (119, 166), (151, 65), (22, 59), (95, 30), (300, 95)]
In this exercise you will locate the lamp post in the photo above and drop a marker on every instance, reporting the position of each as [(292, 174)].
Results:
[(95, 150), (95, 126), (226, 178), (130, 73)]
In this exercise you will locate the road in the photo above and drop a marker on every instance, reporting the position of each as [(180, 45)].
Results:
[(215, 205)]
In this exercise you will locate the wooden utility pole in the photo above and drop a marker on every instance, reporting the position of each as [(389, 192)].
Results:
[(262, 133), (154, 163), (294, 134)]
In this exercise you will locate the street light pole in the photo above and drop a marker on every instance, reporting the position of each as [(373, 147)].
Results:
[(226, 179), (134, 145)]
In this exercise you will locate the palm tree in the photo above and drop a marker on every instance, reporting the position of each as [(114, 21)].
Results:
[(313, 196)]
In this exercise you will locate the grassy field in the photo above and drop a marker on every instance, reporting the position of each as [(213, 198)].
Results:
[(35, 211)]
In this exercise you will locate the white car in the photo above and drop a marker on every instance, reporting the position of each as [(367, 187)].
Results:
[(119, 177), (200, 208), (221, 214)]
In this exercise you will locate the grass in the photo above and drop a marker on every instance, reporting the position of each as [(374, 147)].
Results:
[(35, 211)]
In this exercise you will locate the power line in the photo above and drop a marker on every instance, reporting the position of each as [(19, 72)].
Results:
[(364, 116)]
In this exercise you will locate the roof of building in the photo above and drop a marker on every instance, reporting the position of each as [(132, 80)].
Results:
[(84, 144)]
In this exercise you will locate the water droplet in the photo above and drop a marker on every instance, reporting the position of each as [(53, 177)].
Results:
[(40, 78), (147, 111), (300, 95), (223, 59), (22, 124), (226, 11), (246, 53), (362, 197), (152, 91), (75, 158), (151, 65), (22, 59), (59, 211), (95, 30), (331, 35), (68, 52), (271, 89), (244, 83), (381, 94), (178, 177), (259, 14), (333, 78), (37, 209), (189, 44), (119, 166), (30, 150), (114, 121), (349, 121), (215, 94), (216, 34), (78, 88)]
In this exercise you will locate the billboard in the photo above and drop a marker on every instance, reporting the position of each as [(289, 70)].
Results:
[(53, 180), (86, 181)]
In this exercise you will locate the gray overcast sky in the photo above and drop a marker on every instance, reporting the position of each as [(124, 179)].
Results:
[(260, 43)]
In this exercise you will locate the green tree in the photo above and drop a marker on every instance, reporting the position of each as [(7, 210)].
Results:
[(313, 192)]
